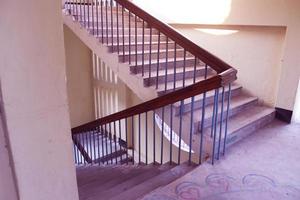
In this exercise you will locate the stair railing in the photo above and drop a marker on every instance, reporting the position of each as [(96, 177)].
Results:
[(142, 40)]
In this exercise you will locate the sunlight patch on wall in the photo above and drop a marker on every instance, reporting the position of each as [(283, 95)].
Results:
[(197, 11), (217, 31)]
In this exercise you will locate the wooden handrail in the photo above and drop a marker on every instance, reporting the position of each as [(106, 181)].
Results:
[(215, 82), (205, 56)]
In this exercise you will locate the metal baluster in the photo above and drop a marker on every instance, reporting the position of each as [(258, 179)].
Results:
[(126, 132), (184, 64), (118, 39), (180, 130), (88, 13), (171, 134), (95, 138), (74, 150), (162, 135), (153, 136), (97, 17), (136, 40), (87, 143), (213, 116), (91, 143), (123, 34), (174, 79), (102, 33), (106, 20), (195, 69), (106, 141), (112, 25), (129, 39), (215, 125), (221, 123), (143, 48), (227, 116), (150, 49), (132, 136), (102, 142), (146, 136), (158, 52), (191, 129), (93, 21), (202, 120), (80, 8), (76, 10), (120, 138), (115, 140), (84, 19), (166, 69), (110, 142), (98, 147), (139, 118)]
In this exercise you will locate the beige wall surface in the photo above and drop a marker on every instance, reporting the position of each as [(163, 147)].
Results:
[(33, 78), (283, 13), (79, 79)]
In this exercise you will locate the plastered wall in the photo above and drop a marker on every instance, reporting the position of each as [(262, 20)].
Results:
[(33, 81)]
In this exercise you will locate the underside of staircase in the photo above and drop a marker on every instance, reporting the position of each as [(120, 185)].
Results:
[(152, 65)]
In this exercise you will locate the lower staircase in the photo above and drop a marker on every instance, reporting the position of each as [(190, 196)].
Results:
[(196, 109), (130, 182)]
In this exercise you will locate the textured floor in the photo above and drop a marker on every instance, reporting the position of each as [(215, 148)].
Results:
[(264, 166)]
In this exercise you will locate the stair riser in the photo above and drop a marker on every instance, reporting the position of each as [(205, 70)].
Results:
[(240, 134), (115, 31), (146, 56), (132, 38), (154, 47), (170, 78), (162, 65), (90, 24), (208, 101), (232, 112)]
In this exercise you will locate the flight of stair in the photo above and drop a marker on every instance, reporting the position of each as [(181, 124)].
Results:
[(130, 181)]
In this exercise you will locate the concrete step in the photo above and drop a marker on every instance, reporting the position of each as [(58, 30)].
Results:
[(124, 185), (209, 99), (155, 182), (140, 38), (162, 76), (119, 29), (139, 55), (139, 46), (162, 64)]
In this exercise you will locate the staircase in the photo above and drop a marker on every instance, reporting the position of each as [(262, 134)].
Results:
[(193, 98)]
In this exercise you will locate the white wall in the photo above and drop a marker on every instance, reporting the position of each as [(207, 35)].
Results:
[(33, 78), (284, 13), (79, 79)]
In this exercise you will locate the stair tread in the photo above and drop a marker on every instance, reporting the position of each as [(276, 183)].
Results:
[(133, 52), (149, 172), (162, 72), (155, 182), (154, 61)]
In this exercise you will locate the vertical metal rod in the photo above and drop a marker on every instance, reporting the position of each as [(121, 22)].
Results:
[(226, 118), (171, 132), (102, 33), (174, 78), (162, 135), (150, 49), (154, 136), (102, 142), (91, 143), (112, 24), (87, 143), (202, 120), (98, 139), (76, 7), (97, 17), (93, 19), (80, 8), (139, 118), (110, 142), (136, 40), (84, 8), (157, 67), (191, 129), (120, 138), (95, 138), (126, 133), (106, 20), (132, 137), (123, 36), (106, 138), (129, 36), (74, 150), (88, 14), (213, 116), (146, 136), (195, 70), (143, 48), (215, 126), (221, 123), (115, 140), (184, 65), (118, 40), (166, 69), (180, 130)]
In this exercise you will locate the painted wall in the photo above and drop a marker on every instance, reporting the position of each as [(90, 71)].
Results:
[(284, 13), (33, 78), (79, 79)]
